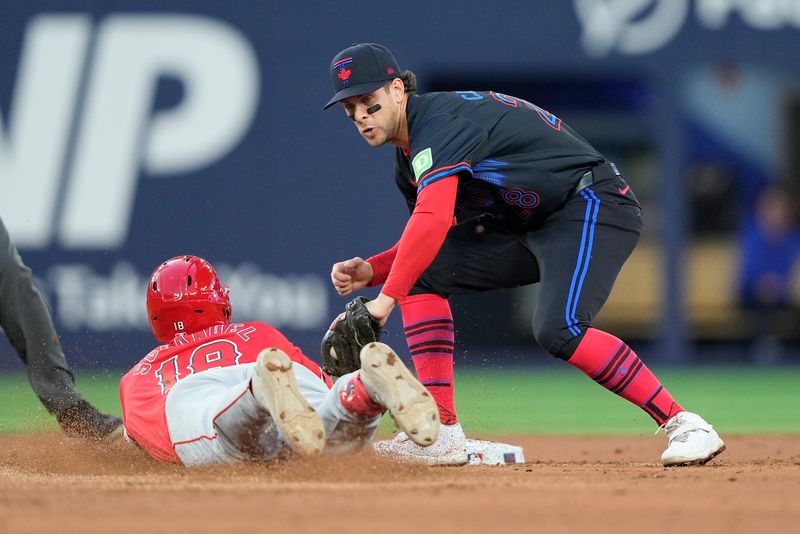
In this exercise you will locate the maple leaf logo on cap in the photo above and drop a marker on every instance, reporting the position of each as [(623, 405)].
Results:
[(389, 70), (344, 74)]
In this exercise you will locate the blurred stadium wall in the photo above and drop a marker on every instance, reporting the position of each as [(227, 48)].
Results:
[(134, 131)]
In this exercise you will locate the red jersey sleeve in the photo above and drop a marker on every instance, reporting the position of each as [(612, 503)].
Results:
[(423, 236), (382, 265), (143, 400)]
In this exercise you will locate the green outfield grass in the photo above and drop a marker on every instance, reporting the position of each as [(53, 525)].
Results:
[(530, 401), (736, 401)]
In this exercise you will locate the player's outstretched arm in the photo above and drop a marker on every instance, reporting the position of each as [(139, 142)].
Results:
[(351, 275)]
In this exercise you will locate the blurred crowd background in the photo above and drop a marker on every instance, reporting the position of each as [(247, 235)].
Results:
[(134, 131)]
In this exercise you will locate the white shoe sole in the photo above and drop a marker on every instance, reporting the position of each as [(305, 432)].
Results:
[(275, 387), (680, 462), (408, 402)]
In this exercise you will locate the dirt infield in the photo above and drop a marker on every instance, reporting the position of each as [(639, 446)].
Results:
[(570, 484)]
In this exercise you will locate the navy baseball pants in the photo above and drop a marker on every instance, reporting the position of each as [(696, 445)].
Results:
[(575, 257)]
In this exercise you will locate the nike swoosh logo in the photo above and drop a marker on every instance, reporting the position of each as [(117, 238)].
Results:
[(624, 190)]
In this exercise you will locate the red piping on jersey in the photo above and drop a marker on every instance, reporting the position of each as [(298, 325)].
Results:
[(423, 236), (210, 438), (234, 401)]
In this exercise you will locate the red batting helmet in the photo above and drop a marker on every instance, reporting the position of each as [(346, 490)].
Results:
[(185, 296)]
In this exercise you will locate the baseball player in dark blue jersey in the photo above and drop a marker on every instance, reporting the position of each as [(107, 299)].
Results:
[(502, 193)]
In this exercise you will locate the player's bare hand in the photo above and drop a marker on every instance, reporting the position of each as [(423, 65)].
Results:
[(381, 307), (351, 275)]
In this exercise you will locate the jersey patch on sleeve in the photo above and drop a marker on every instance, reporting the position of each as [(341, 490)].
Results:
[(422, 162)]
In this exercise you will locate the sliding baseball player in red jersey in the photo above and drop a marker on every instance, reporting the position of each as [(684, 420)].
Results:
[(502, 193), (219, 392)]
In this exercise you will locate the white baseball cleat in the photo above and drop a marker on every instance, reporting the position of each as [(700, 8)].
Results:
[(691, 441), (389, 383), (449, 449), (275, 387)]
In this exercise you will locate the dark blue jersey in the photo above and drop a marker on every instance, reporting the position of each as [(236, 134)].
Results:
[(514, 160)]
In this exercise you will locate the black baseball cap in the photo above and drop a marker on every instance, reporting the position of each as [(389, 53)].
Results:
[(360, 69)]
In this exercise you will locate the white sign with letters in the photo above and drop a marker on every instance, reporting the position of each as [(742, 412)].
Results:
[(635, 27), (81, 126)]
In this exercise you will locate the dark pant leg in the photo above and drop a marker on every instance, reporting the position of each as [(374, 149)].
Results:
[(580, 251), (26, 321), (479, 255)]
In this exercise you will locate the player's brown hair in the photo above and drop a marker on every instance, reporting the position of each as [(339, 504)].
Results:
[(409, 81)]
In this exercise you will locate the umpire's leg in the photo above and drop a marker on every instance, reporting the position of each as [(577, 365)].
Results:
[(26, 320), (27, 323)]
